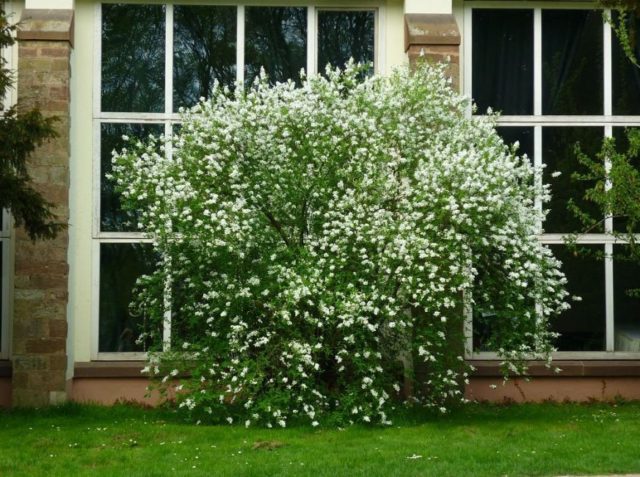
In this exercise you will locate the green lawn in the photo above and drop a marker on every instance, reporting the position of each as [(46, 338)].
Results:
[(548, 439)]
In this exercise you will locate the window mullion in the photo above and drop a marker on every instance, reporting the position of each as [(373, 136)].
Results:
[(168, 60), (608, 74), (609, 309), (537, 62), (312, 40), (240, 46)]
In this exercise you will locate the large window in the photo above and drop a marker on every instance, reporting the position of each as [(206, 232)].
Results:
[(559, 77), (154, 59)]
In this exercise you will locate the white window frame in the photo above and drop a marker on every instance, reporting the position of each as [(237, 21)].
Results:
[(537, 121), (169, 118)]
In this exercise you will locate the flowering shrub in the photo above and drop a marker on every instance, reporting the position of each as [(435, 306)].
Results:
[(318, 243)]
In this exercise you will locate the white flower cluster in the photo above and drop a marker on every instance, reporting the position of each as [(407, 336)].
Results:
[(319, 243)]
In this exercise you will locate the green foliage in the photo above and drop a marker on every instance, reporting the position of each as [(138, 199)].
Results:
[(622, 28), (20, 133)]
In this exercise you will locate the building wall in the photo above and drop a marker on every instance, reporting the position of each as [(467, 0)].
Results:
[(109, 384)]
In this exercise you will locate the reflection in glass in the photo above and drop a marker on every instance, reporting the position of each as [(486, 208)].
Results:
[(204, 50), (582, 328), (626, 76), (503, 60), (276, 39), (572, 62), (620, 224), (626, 306), (120, 266), (112, 217), (523, 135), (133, 58), (343, 35), (558, 154)]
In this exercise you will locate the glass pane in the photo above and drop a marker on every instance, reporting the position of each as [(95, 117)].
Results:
[(120, 266), (112, 217), (133, 39), (558, 154), (622, 145), (626, 308), (276, 39), (523, 135), (582, 328), (503, 60), (204, 50), (572, 62), (344, 35), (626, 76)]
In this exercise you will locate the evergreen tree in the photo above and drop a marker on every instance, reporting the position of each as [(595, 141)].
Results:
[(21, 132)]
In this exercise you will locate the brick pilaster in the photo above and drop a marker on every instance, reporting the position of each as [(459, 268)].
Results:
[(41, 270), (436, 37)]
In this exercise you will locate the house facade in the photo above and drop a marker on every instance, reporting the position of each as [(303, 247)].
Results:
[(108, 69)]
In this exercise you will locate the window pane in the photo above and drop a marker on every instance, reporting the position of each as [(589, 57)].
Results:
[(522, 135), (112, 217), (622, 145), (133, 58), (626, 279), (344, 35), (120, 266), (626, 76), (558, 154), (503, 60), (204, 50), (582, 328), (572, 62), (276, 39)]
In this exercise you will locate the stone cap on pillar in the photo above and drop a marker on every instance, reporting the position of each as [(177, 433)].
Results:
[(46, 25), (430, 29)]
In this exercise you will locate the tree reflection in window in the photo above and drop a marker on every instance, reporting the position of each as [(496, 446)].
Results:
[(133, 38), (204, 50), (121, 264), (276, 39), (343, 35), (112, 217)]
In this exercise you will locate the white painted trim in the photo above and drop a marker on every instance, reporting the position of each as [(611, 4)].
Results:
[(609, 298), (95, 298), (168, 59), (312, 41), (240, 46), (537, 62)]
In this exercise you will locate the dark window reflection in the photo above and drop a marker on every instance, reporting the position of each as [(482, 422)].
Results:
[(572, 62), (626, 76), (112, 217), (204, 50), (120, 266), (523, 135), (558, 154), (582, 328), (626, 306), (503, 60), (133, 39), (276, 39), (620, 224), (344, 35)]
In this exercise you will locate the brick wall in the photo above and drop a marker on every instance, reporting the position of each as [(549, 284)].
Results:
[(435, 37), (41, 270)]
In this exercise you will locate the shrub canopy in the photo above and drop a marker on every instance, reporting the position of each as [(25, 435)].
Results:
[(321, 243)]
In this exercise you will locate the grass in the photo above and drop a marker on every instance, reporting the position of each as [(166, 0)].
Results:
[(478, 440)]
